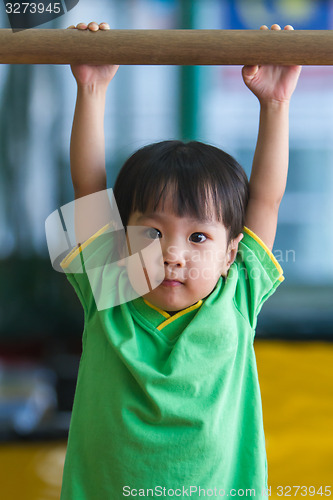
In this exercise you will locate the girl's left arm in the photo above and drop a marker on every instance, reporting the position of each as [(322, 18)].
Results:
[(273, 86)]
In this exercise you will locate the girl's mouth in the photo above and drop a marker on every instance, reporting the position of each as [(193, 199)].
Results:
[(170, 282)]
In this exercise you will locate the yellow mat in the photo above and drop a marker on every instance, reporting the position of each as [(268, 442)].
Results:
[(297, 390), (296, 380)]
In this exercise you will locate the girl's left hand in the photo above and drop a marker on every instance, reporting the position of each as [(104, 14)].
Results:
[(272, 83)]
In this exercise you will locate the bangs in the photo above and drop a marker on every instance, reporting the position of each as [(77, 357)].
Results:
[(189, 199)]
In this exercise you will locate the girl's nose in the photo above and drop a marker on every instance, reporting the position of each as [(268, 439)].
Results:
[(174, 256)]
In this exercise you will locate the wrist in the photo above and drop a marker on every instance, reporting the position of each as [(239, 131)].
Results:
[(274, 104), (92, 88)]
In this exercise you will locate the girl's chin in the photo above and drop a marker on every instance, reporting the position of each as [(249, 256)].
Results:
[(168, 301)]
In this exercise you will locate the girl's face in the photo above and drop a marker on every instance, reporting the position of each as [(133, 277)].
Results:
[(194, 253)]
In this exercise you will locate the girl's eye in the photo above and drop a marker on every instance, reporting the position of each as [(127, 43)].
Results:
[(153, 233), (198, 237)]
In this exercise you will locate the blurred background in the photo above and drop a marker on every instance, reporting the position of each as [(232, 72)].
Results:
[(41, 320)]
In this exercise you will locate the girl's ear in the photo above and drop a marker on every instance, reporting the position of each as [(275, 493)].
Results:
[(233, 249)]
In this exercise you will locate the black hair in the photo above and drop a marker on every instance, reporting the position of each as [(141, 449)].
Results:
[(197, 173)]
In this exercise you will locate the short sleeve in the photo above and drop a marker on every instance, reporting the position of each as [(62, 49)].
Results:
[(89, 261), (99, 270), (258, 274)]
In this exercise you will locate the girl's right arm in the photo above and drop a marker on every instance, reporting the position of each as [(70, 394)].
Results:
[(87, 149)]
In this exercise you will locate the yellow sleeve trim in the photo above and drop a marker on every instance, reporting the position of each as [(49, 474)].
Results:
[(267, 250), (77, 250), (178, 315)]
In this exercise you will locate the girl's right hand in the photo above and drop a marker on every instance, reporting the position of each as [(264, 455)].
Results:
[(272, 83), (87, 75)]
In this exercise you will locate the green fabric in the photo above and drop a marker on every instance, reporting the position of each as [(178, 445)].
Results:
[(178, 408)]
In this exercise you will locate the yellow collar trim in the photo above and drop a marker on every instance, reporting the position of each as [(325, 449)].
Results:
[(164, 313), (170, 318), (179, 314)]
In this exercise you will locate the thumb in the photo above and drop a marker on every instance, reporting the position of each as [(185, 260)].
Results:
[(248, 72)]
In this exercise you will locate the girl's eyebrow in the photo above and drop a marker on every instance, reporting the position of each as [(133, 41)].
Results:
[(161, 216), (152, 215)]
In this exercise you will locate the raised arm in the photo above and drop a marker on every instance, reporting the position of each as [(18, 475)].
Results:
[(87, 150), (273, 86)]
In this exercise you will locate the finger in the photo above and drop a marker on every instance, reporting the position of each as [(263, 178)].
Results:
[(104, 26), (93, 26), (275, 27), (81, 26), (249, 71), (288, 27), (264, 27)]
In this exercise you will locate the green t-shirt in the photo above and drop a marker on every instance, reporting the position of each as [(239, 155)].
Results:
[(170, 405)]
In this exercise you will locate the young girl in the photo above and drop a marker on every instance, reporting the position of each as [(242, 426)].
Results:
[(167, 400)]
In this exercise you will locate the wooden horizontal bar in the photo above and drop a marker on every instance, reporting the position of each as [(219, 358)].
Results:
[(172, 47)]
